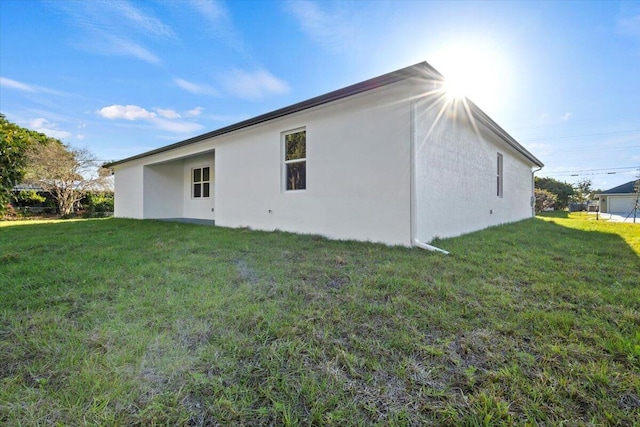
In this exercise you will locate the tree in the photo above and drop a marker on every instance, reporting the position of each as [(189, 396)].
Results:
[(14, 143), (562, 190), (544, 200), (581, 191), (66, 173)]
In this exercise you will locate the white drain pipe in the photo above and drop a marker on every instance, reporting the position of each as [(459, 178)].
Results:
[(414, 209), (423, 245)]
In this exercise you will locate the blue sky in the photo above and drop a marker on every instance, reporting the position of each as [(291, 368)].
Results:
[(123, 77)]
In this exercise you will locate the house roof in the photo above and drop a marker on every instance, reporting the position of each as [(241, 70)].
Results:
[(422, 70), (626, 188)]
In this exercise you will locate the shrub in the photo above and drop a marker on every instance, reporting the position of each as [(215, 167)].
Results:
[(29, 198), (98, 203), (544, 200)]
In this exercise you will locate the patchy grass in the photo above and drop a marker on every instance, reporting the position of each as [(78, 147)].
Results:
[(124, 322)]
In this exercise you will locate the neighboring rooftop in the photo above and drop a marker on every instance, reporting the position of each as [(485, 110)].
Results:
[(626, 188)]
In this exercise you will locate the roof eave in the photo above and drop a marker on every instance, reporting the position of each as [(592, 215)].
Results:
[(422, 69), (495, 128), (418, 70)]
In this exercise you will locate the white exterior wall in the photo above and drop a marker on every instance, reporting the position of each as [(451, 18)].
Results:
[(456, 175), (357, 172), (162, 185), (128, 191), (159, 186), (203, 207), (361, 153)]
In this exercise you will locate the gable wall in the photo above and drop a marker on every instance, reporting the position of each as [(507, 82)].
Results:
[(456, 175)]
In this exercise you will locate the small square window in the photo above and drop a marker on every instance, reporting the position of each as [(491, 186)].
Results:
[(201, 182)]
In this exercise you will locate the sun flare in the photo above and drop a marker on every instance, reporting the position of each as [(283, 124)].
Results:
[(455, 88), (474, 70)]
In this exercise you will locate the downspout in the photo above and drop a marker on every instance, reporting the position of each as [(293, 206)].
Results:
[(413, 208), (533, 191), (423, 245)]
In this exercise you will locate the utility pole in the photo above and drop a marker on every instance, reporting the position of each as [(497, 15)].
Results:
[(636, 204)]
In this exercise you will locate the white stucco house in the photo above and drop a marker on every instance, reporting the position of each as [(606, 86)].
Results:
[(619, 200), (390, 160)]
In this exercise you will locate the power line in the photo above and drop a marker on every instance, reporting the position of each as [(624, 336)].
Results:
[(596, 170), (581, 136), (563, 150)]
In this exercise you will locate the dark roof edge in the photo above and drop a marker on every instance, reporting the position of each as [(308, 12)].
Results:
[(420, 69), (493, 126), (395, 76), (626, 188)]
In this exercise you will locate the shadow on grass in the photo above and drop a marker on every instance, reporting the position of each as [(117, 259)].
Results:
[(318, 326), (597, 254), (554, 214)]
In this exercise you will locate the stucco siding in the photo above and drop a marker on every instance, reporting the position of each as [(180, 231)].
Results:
[(128, 192), (385, 165), (163, 187), (456, 174), (193, 207), (358, 176)]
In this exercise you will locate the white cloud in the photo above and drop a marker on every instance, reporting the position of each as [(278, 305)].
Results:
[(25, 87), (195, 88), (333, 30), (566, 117), (128, 112), (146, 23), (166, 121), (211, 10), (14, 84), (168, 114), (219, 23), (253, 85), (194, 112), (177, 126), (109, 28), (42, 125), (118, 46)]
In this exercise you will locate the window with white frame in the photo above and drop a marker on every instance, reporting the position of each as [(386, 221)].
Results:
[(295, 160), (200, 182), (500, 176)]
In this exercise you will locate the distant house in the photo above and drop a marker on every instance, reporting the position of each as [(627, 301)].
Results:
[(390, 160), (619, 200)]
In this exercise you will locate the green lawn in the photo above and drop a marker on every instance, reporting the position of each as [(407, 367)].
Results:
[(124, 322)]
